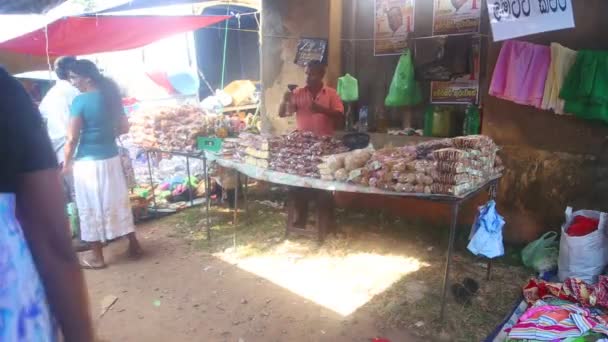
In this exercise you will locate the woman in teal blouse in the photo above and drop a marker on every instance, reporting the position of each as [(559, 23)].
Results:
[(102, 197)]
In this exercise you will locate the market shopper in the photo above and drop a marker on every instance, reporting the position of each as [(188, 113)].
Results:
[(318, 109), (42, 288), (55, 106), (102, 196)]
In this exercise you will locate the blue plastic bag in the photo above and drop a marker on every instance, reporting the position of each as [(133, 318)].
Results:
[(486, 233)]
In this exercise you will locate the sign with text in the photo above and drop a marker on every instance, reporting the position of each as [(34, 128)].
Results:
[(456, 16), (517, 18), (394, 22), (463, 89)]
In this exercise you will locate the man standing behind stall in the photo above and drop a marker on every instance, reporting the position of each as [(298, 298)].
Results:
[(317, 107)]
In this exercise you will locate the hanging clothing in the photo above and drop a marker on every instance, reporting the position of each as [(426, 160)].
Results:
[(562, 60), (486, 233), (444, 58), (520, 73), (102, 199), (586, 86)]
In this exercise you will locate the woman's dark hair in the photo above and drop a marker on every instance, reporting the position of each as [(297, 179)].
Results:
[(109, 90), (63, 65)]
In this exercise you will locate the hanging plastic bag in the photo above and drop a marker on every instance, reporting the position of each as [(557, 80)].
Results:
[(404, 90), (486, 233), (348, 88), (541, 255), (583, 257)]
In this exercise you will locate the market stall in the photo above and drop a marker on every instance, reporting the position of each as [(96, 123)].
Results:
[(448, 171)]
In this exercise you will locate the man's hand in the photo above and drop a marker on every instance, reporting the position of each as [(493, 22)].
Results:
[(287, 97), (283, 108)]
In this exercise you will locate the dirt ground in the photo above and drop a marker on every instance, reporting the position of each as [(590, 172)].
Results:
[(177, 294), (380, 278)]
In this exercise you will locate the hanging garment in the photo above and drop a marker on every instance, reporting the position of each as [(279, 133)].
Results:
[(348, 88), (521, 73), (562, 60), (487, 232), (586, 86), (444, 58)]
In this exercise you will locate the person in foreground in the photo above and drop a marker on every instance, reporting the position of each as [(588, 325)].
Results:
[(42, 289), (102, 197)]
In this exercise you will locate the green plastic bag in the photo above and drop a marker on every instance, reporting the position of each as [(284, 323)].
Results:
[(541, 255), (471, 121), (348, 88), (404, 90)]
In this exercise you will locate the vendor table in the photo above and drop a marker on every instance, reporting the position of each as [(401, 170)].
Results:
[(296, 181)]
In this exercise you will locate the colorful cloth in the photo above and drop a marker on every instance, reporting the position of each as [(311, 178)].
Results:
[(572, 289), (24, 312), (545, 322), (562, 60), (521, 73), (586, 86), (102, 199)]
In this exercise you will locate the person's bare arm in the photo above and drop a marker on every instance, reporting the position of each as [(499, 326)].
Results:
[(123, 125), (41, 212), (71, 142)]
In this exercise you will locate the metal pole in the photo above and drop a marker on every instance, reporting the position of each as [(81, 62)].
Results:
[(448, 262), (208, 198), (190, 197), (246, 198), (236, 209), (151, 183)]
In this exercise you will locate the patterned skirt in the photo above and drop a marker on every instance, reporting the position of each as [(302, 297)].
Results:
[(24, 312)]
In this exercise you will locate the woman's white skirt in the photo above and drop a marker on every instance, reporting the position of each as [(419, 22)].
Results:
[(102, 199)]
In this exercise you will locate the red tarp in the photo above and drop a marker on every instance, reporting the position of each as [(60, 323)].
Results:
[(75, 36)]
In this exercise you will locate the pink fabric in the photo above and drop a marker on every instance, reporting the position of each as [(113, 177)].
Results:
[(317, 123), (521, 72)]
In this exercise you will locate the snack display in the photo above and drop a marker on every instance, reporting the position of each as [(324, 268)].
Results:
[(167, 128), (448, 166), (300, 153)]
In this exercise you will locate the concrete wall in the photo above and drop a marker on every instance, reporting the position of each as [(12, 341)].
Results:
[(552, 161), (283, 23)]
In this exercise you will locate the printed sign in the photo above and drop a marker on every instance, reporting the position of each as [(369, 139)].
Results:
[(463, 89), (456, 16), (394, 22), (311, 49), (517, 18)]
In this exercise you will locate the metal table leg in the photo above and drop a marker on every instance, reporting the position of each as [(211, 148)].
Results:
[(190, 195), (448, 263), (152, 183), (246, 198), (236, 209), (208, 199)]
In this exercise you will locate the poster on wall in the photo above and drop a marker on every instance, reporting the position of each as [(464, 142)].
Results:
[(393, 23), (456, 16), (461, 90), (517, 18)]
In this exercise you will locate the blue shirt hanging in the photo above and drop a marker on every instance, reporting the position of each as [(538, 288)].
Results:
[(486, 233)]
